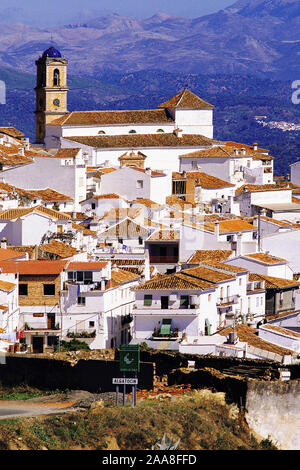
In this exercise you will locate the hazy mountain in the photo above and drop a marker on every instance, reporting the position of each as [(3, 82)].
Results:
[(250, 37)]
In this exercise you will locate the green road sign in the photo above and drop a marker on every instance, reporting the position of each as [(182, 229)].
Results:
[(130, 358)]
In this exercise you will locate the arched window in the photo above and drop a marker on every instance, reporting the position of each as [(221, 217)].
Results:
[(160, 130), (132, 131), (56, 78), (101, 132)]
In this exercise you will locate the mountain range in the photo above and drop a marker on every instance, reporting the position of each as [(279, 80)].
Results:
[(250, 37)]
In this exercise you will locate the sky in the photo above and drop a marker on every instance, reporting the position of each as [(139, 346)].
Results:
[(45, 13)]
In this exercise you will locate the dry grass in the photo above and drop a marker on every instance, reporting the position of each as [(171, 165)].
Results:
[(200, 419)]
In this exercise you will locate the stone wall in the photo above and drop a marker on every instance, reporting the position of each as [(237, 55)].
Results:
[(49, 374), (273, 411)]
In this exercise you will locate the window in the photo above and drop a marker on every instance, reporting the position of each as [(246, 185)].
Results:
[(91, 324), (52, 340), (240, 281), (209, 297), (132, 131), (101, 132), (23, 289), (140, 241), (147, 300), (56, 78), (139, 184), (184, 301), (160, 130), (59, 229), (93, 206), (81, 300), (49, 289), (194, 165)]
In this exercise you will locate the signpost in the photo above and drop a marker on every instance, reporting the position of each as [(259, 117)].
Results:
[(129, 362)]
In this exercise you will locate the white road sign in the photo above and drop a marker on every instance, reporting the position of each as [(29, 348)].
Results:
[(124, 381)]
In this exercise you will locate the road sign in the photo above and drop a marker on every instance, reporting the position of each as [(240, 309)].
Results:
[(130, 358), (126, 381)]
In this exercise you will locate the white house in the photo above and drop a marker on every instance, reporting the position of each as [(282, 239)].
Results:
[(134, 183), (263, 263), (64, 171), (231, 162), (28, 226), (175, 303), (232, 234), (99, 204), (97, 304)]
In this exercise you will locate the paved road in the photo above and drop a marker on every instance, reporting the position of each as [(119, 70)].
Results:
[(11, 409)]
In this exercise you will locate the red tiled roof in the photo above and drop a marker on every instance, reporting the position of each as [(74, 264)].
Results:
[(86, 265), (33, 267)]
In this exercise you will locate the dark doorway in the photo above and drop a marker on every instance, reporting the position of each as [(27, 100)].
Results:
[(51, 321), (37, 344), (164, 302)]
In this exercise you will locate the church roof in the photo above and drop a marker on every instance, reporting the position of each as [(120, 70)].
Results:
[(51, 52), (94, 118), (186, 99), (143, 140)]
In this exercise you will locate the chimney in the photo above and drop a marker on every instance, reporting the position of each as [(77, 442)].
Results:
[(239, 244), (178, 132), (3, 243), (217, 230), (148, 171), (235, 151), (255, 146), (243, 151), (26, 144), (21, 151), (1, 139), (103, 283)]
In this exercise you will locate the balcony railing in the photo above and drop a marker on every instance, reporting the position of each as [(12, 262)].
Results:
[(154, 310), (227, 300)]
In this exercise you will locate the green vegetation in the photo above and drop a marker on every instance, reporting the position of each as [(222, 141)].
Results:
[(198, 420), (73, 345), (23, 392)]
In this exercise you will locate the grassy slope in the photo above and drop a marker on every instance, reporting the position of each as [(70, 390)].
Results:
[(201, 420)]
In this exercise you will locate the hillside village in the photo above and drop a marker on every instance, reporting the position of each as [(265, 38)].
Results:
[(135, 227)]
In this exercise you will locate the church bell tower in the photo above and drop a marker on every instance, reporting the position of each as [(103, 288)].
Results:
[(51, 91)]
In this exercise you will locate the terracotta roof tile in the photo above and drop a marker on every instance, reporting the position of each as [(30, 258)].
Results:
[(175, 281), (273, 282), (143, 140), (265, 258), (185, 99), (86, 265), (209, 255), (207, 274), (98, 118), (33, 267), (59, 248), (11, 214), (166, 234), (254, 188), (127, 229), (8, 253), (6, 286), (248, 335), (284, 331)]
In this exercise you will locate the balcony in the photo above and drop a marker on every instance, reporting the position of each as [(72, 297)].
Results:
[(143, 310), (225, 301)]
